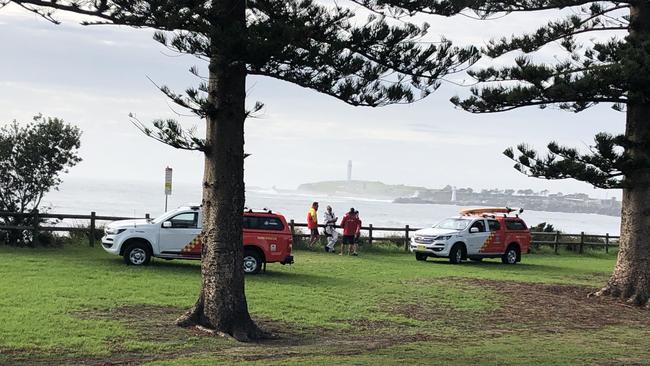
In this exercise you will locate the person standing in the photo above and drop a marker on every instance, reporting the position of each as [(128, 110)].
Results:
[(312, 224), (330, 230), (351, 227), (357, 236)]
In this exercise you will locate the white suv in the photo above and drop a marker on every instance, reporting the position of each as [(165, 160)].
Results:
[(473, 237)]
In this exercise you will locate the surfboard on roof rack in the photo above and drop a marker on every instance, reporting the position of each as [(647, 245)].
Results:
[(489, 210)]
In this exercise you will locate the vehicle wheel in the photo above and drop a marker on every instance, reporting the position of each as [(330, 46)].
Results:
[(252, 262), (421, 256), (456, 254), (137, 254), (510, 256), (477, 259)]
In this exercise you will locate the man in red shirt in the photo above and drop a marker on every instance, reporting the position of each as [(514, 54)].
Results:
[(312, 224), (351, 228)]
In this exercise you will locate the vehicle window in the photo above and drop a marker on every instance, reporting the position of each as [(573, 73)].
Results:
[(188, 220), (515, 225), (480, 225), (263, 223), (453, 224), (494, 225)]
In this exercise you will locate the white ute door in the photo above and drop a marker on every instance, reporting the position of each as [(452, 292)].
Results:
[(476, 239), (184, 228)]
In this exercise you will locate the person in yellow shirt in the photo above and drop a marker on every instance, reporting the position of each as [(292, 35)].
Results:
[(312, 224)]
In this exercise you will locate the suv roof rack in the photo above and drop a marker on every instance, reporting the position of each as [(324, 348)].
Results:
[(263, 210)]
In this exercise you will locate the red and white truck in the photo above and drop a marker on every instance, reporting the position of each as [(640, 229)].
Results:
[(176, 235), (475, 234)]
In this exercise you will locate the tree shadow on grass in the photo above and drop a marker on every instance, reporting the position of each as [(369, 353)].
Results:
[(272, 274), (493, 264)]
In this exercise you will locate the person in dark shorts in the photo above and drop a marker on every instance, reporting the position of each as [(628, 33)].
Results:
[(351, 227), (312, 224)]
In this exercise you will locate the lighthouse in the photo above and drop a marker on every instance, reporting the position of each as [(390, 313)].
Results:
[(349, 170)]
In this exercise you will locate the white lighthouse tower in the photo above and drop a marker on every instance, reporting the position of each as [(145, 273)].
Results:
[(349, 170)]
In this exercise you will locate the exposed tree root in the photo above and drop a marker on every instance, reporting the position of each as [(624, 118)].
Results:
[(242, 331), (630, 295)]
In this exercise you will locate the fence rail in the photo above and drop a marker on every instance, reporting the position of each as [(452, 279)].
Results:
[(555, 239), (36, 217), (580, 241)]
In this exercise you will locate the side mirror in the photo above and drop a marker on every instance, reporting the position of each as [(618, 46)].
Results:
[(473, 230), (167, 224)]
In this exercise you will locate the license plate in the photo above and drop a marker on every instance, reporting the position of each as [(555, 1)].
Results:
[(422, 248)]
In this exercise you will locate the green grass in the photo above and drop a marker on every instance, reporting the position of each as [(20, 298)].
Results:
[(74, 305)]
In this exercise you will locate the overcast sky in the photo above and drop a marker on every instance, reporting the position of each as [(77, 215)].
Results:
[(95, 76)]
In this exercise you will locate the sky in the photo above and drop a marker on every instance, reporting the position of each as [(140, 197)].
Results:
[(95, 76)]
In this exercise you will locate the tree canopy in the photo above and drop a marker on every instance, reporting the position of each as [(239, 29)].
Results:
[(606, 59), (32, 158)]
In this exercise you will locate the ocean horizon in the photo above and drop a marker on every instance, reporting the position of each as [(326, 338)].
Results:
[(137, 198)]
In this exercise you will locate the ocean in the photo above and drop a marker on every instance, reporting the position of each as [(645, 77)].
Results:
[(134, 199)]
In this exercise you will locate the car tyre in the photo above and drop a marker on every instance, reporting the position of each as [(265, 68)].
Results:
[(137, 254), (252, 262), (456, 254), (511, 255), (420, 256)]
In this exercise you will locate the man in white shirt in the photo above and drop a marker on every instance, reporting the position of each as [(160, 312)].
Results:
[(330, 231)]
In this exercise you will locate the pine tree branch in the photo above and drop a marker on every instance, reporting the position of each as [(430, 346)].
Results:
[(600, 170), (557, 30), (481, 7), (170, 132)]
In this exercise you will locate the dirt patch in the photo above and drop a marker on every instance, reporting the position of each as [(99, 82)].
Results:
[(546, 308)]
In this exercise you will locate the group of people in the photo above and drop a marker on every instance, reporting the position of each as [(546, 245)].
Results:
[(350, 223)]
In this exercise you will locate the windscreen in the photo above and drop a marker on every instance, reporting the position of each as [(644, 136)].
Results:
[(453, 224)]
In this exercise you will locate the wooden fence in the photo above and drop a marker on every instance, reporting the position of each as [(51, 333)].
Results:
[(36, 217), (557, 239), (554, 239)]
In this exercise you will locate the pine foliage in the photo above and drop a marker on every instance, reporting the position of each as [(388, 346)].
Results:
[(361, 59), (595, 69)]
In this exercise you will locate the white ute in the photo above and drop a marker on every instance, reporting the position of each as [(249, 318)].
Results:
[(138, 240), (474, 235)]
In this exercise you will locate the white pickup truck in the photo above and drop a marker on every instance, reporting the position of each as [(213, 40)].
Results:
[(176, 235), (473, 237)]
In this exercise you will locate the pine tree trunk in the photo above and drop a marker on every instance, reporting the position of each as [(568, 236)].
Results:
[(221, 307), (631, 278)]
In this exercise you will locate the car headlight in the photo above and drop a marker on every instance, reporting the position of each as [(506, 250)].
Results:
[(112, 231), (443, 237)]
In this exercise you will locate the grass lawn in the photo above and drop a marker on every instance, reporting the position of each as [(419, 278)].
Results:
[(82, 306)]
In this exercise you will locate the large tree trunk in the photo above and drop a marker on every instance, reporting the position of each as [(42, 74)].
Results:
[(222, 306), (631, 278)]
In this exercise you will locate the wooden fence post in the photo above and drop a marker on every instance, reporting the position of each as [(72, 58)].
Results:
[(556, 244), (35, 240), (607, 243), (370, 234), (92, 229), (582, 241), (407, 241), (147, 216)]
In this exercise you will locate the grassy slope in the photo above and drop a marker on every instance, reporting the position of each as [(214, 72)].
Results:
[(69, 302)]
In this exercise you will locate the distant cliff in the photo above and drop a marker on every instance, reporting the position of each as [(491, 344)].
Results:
[(467, 197), (577, 203), (361, 188)]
